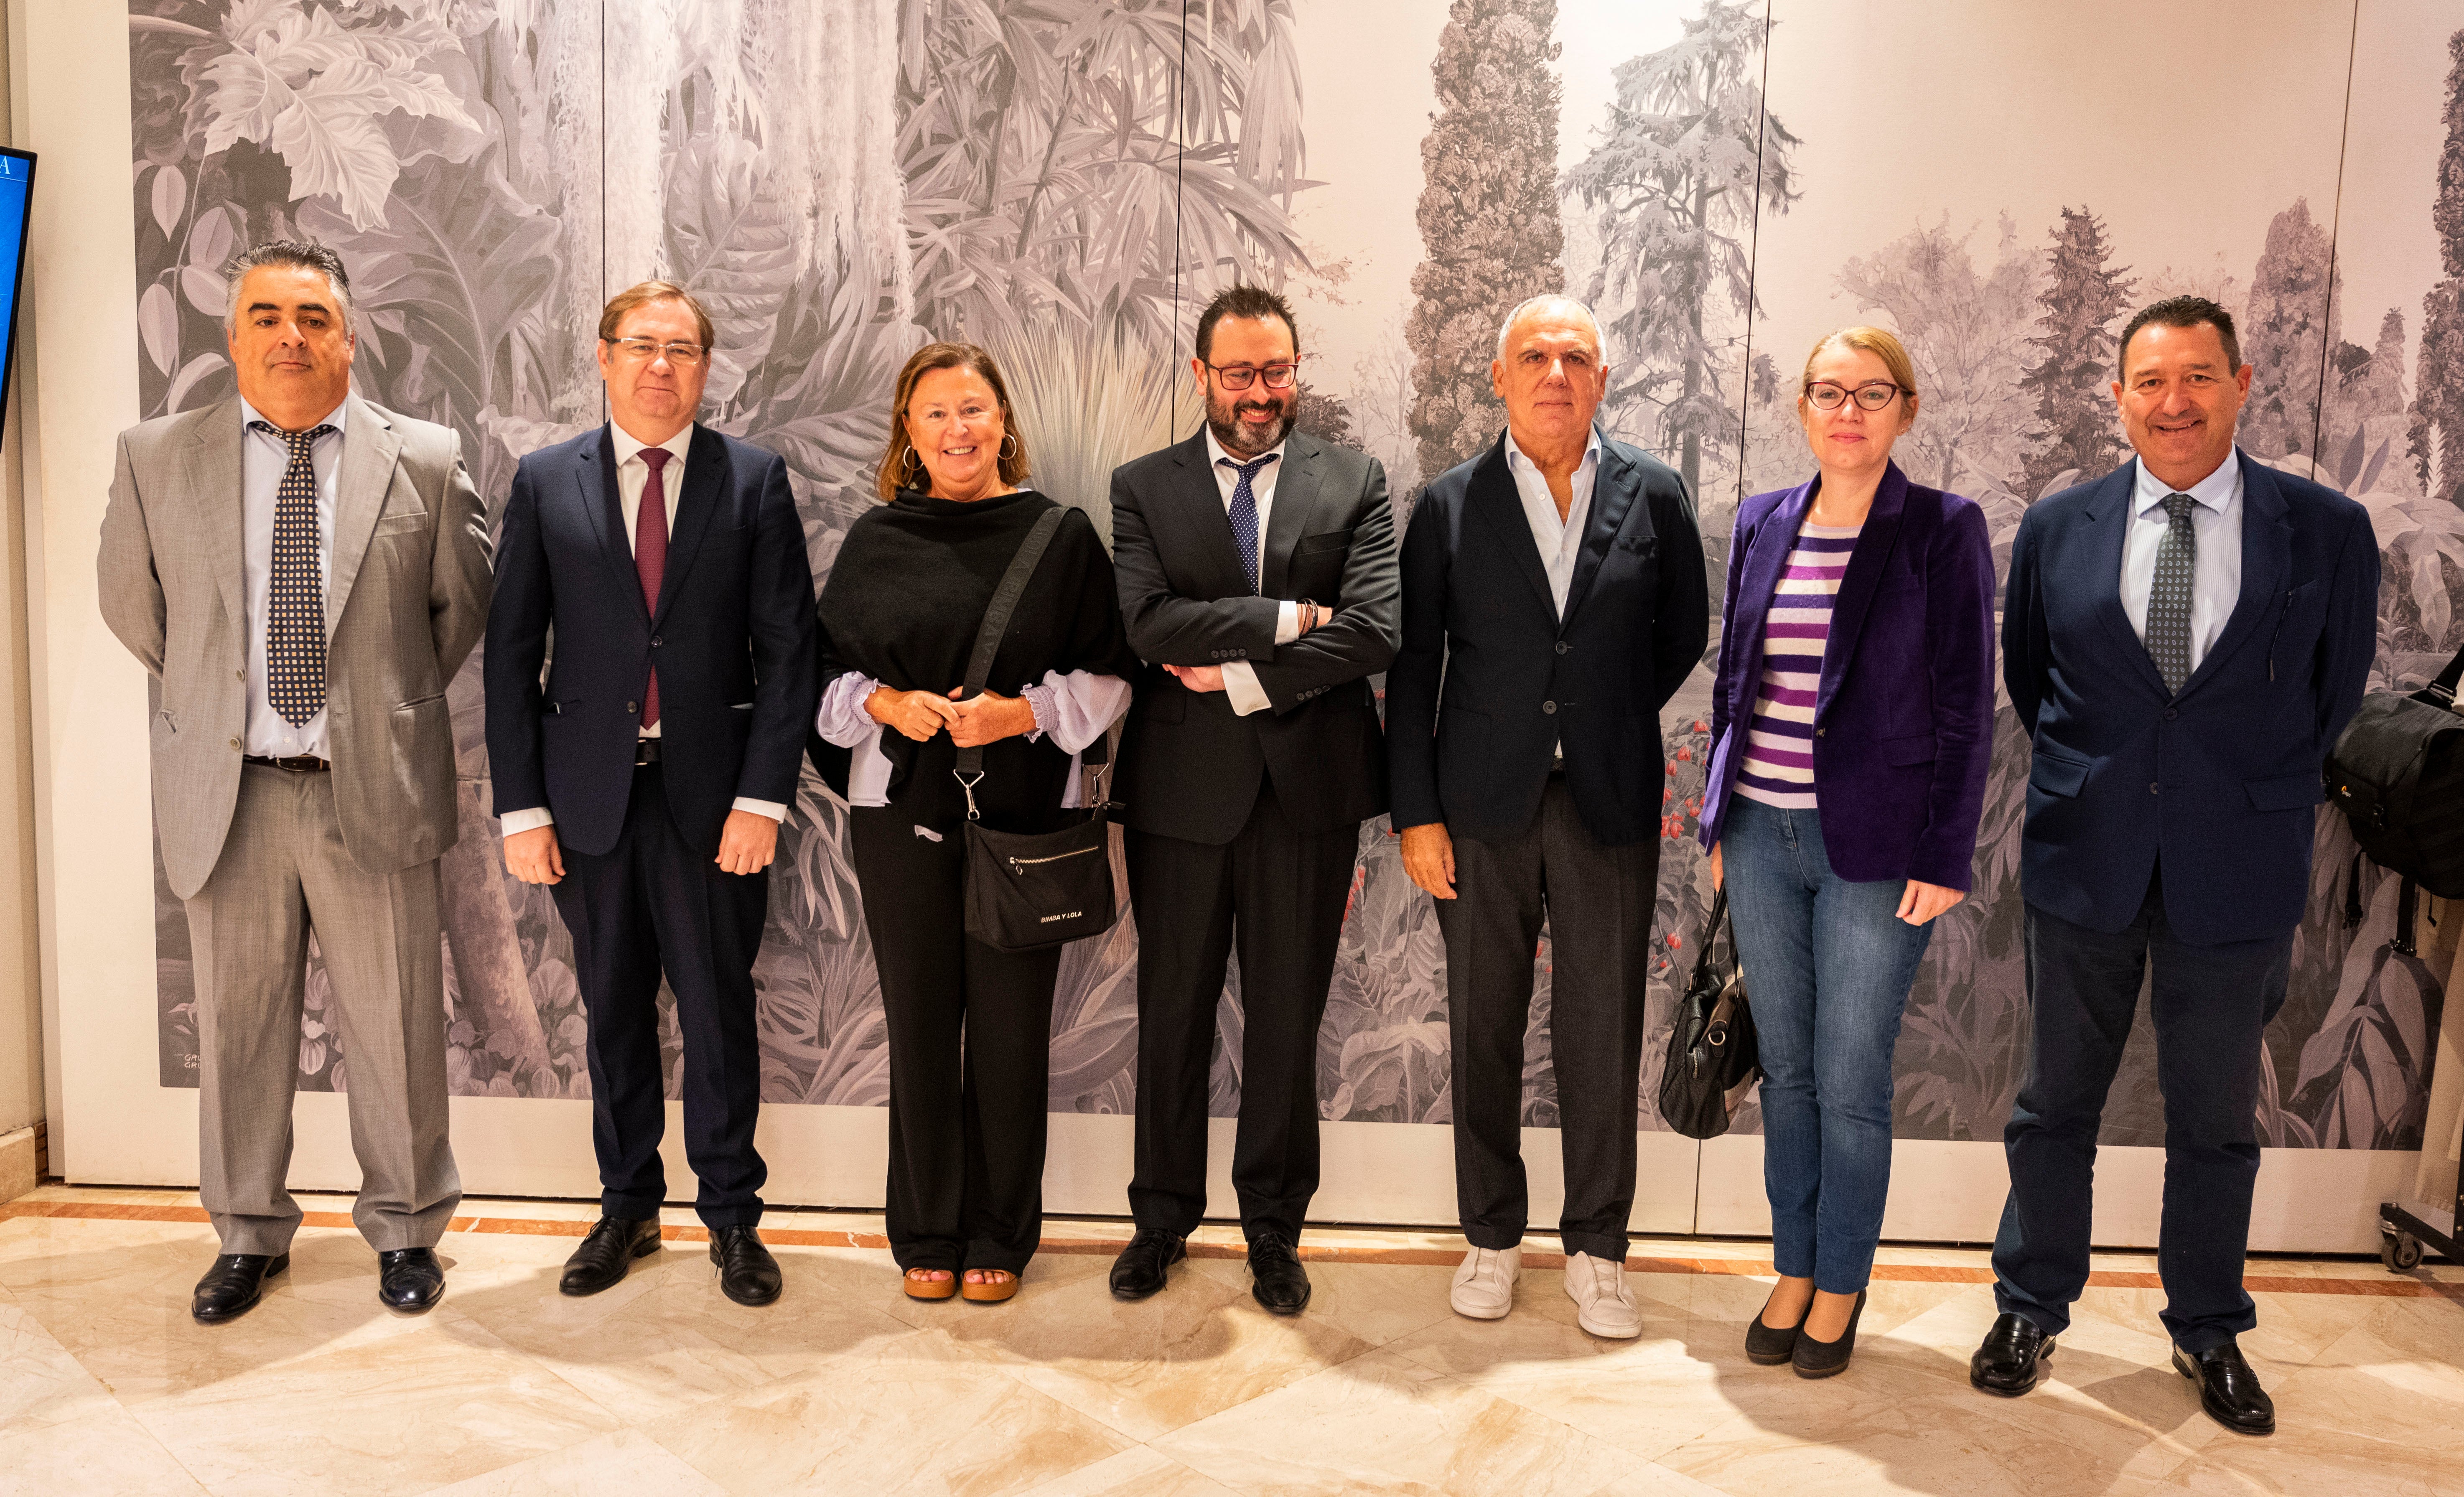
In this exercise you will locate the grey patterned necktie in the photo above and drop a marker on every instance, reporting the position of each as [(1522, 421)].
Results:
[(2169, 601), (294, 603), (1243, 513)]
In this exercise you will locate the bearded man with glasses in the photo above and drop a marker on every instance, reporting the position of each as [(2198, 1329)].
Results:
[(1257, 575), (645, 779)]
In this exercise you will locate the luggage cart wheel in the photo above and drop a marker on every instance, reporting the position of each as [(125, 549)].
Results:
[(2400, 1251)]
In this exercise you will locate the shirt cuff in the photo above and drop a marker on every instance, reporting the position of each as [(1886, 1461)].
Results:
[(770, 808), (842, 720), (1240, 686), (1039, 700), (530, 819), (1287, 621)]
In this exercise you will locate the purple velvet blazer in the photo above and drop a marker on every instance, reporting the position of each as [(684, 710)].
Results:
[(1904, 719)]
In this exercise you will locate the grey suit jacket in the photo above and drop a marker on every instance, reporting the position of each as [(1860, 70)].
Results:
[(407, 600)]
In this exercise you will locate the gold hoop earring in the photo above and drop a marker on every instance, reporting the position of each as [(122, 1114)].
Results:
[(1009, 441), (908, 462)]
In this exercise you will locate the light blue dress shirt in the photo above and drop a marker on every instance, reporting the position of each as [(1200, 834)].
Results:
[(262, 462), (2215, 575)]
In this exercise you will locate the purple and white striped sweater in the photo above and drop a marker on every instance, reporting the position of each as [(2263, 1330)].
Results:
[(1778, 768)]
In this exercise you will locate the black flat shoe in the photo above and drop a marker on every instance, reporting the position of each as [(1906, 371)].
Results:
[(747, 1273), (1813, 1358), (2228, 1390), (605, 1255), (1139, 1270), (2012, 1358), (1769, 1346), (409, 1280), (1282, 1286), (231, 1287)]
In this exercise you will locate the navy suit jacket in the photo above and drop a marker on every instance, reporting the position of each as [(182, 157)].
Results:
[(1904, 719), (1478, 628), (2219, 783), (731, 635)]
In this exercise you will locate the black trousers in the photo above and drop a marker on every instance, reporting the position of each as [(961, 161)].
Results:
[(651, 903), (2210, 1006), (970, 1044), (1279, 892), (1597, 902)]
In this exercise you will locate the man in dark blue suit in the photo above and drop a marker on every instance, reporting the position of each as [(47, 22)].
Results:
[(646, 780), (1553, 599), (2183, 639)]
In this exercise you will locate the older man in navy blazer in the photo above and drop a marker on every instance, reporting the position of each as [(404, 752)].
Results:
[(1553, 598), (647, 777), (2183, 640)]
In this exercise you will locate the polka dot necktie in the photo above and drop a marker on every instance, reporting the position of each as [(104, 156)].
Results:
[(295, 608), (1243, 513), (2168, 602), (651, 557)]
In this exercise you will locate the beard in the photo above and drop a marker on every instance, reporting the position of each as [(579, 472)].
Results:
[(1223, 418)]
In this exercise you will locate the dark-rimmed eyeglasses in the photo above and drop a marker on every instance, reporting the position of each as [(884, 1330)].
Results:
[(1239, 376), (1872, 395), (641, 350)]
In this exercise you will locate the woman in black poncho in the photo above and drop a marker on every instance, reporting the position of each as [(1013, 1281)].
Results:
[(898, 620)]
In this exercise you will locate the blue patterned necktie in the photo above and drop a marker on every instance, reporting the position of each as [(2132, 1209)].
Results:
[(2169, 601), (294, 603), (1243, 513)]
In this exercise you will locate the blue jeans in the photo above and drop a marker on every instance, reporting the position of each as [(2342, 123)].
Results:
[(1827, 967)]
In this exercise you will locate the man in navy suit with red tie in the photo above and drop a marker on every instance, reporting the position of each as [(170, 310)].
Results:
[(646, 777)]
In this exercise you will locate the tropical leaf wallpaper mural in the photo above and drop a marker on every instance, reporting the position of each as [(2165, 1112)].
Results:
[(1067, 181)]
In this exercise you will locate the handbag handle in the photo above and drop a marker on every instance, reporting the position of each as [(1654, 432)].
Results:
[(970, 767), (1711, 928)]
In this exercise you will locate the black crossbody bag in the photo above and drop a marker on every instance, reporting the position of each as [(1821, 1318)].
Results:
[(2397, 772), (1030, 890)]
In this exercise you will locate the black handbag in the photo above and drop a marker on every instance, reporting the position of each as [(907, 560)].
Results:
[(2398, 773), (1030, 890), (1711, 1049)]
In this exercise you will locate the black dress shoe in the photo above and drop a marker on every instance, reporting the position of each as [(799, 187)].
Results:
[(1768, 1346), (2012, 1358), (1139, 1270), (410, 1280), (2228, 1390), (1813, 1358), (747, 1273), (600, 1261), (231, 1287), (1281, 1285)]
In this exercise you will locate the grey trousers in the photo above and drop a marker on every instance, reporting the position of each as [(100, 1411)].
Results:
[(284, 871), (1597, 902)]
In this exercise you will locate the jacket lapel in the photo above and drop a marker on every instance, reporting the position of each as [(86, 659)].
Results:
[(689, 517), (2266, 562), (1866, 565), (595, 476), (211, 470), (1493, 497), (370, 449), (1613, 486), (1287, 519), (1202, 500), (2109, 512)]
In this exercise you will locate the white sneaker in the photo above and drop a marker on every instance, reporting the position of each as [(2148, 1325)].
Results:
[(1598, 1289), (1484, 1285)]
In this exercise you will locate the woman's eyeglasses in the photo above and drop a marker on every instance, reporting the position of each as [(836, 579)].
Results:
[(1873, 395)]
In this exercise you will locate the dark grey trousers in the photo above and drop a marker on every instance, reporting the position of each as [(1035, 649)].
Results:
[(1597, 902)]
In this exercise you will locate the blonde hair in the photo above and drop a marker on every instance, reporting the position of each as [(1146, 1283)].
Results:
[(612, 315), (894, 466), (1880, 342)]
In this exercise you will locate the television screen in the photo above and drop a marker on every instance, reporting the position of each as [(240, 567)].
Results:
[(16, 182)]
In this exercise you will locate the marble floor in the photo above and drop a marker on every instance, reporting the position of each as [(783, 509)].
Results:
[(845, 1387)]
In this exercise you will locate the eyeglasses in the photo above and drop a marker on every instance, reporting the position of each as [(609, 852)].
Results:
[(1872, 395), (683, 355), (1239, 376)]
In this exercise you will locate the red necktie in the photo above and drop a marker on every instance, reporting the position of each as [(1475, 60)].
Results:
[(650, 558)]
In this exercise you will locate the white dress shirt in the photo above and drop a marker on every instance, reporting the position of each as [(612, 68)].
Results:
[(633, 475), (1560, 541), (2215, 575), (263, 461), (1241, 686)]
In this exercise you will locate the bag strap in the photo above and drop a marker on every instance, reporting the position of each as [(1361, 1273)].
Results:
[(2441, 692), (970, 767), (1711, 928)]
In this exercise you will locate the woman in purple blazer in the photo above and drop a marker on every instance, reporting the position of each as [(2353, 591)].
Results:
[(1850, 723)]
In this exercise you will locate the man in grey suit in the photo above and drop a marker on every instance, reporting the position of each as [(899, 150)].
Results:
[(303, 572)]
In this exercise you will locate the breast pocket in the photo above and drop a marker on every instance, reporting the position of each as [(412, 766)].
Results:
[(1324, 542), (402, 522)]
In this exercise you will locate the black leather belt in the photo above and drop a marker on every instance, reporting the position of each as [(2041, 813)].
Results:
[(646, 751), (298, 763)]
